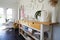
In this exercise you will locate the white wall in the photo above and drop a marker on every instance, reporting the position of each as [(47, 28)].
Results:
[(15, 14), (31, 8), (56, 28), (58, 10)]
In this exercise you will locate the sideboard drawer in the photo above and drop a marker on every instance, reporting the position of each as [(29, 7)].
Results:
[(34, 25)]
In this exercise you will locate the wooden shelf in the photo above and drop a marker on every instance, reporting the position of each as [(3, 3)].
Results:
[(30, 34), (29, 24), (36, 25), (45, 23), (33, 28), (23, 35)]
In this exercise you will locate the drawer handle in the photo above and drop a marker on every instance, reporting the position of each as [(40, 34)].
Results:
[(33, 23)]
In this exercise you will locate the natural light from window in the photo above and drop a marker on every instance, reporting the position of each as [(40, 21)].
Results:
[(2, 17), (9, 13)]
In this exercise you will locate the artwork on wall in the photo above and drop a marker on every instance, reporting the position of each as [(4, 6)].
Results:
[(22, 12)]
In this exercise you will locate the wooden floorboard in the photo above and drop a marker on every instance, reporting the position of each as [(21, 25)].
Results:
[(10, 34)]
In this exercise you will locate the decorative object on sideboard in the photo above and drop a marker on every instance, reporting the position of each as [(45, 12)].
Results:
[(43, 16), (38, 13), (53, 2), (22, 12)]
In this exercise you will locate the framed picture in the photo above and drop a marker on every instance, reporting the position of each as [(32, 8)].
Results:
[(22, 12)]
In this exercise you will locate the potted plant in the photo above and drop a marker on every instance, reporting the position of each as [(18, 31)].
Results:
[(38, 13), (43, 16)]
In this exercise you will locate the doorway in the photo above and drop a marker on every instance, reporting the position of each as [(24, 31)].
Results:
[(9, 14)]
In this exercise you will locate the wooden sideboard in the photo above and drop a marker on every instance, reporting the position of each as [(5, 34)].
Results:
[(35, 25)]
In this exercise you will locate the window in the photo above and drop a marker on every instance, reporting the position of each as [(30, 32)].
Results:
[(9, 13), (2, 16), (1, 12)]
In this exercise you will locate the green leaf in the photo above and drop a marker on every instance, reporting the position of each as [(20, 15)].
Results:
[(38, 13)]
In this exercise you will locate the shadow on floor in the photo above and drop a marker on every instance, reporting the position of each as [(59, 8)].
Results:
[(10, 34)]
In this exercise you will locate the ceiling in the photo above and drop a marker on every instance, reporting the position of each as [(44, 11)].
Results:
[(8, 2)]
